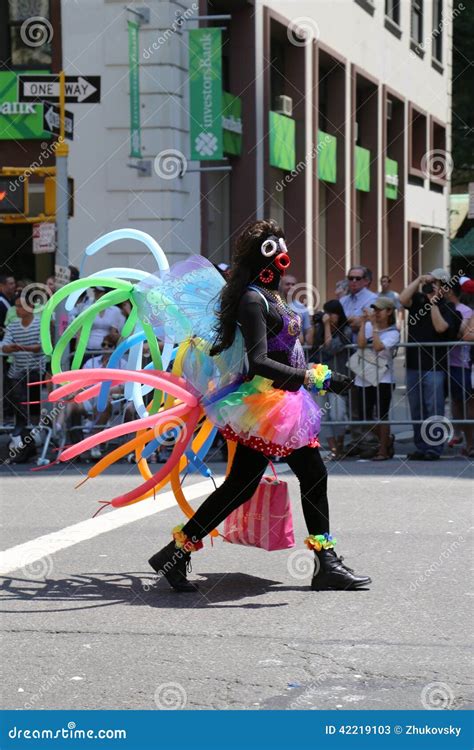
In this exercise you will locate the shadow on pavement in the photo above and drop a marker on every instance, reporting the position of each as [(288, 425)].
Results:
[(137, 589)]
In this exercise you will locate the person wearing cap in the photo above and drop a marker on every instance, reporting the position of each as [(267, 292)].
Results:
[(378, 331), (108, 321), (432, 319)]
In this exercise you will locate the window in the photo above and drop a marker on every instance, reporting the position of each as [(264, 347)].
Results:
[(367, 5), (437, 46), (26, 36), (392, 10), (416, 26)]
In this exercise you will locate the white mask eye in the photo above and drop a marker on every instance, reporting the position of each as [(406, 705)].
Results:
[(282, 244), (269, 248)]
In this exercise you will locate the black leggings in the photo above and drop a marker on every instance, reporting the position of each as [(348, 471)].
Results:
[(246, 471)]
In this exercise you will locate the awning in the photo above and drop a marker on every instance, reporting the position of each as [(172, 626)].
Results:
[(458, 208), (463, 246)]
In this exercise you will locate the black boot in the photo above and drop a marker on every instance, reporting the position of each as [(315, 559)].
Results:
[(172, 562), (331, 573)]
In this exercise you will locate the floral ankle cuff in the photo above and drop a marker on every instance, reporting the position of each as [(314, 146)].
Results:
[(320, 541), (182, 541)]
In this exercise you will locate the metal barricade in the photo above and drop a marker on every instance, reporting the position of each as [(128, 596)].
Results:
[(399, 407)]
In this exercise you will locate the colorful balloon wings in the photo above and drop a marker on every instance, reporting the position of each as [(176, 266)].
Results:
[(173, 314)]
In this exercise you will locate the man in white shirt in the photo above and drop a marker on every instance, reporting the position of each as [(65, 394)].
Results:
[(358, 299)]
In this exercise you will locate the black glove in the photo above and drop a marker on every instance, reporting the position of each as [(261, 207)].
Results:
[(340, 383)]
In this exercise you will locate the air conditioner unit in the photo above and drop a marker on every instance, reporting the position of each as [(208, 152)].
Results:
[(284, 105)]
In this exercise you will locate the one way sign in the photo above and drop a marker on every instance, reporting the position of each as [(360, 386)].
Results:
[(52, 121), (79, 89)]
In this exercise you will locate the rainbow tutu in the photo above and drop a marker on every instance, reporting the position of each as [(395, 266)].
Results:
[(269, 419)]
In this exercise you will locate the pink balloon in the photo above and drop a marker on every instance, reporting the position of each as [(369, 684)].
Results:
[(166, 381), (176, 412), (178, 451)]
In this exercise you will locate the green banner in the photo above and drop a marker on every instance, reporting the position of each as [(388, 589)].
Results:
[(391, 179), (134, 77), (327, 157), (362, 169), (282, 141), (19, 121), (205, 94), (232, 123)]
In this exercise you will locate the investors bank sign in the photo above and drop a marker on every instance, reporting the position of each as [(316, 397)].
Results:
[(205, 94)]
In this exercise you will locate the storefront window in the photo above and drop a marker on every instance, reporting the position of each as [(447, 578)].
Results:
[(30, 33)]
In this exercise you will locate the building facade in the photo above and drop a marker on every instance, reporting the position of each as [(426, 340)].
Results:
[(340, 129)]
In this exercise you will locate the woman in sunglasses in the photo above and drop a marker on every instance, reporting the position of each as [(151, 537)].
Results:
[(275, 399)]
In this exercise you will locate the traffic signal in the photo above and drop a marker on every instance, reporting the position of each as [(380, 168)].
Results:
[(13, 195), (50, 196)]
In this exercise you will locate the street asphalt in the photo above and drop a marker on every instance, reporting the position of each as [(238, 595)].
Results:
[(88, 627)]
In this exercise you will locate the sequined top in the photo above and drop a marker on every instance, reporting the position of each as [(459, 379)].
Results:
[(272, 340)]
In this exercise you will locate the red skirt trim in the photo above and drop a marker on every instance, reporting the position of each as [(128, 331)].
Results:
[(268, 448)]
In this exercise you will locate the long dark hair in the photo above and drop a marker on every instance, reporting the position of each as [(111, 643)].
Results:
[(334, 307), (247, 261)]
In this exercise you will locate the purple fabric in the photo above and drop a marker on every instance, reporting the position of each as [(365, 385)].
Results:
[(287, 340)]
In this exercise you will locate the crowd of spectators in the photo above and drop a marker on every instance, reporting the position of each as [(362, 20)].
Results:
[(358, 332)]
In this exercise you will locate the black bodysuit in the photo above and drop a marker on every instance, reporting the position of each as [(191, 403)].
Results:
[(249, 465)]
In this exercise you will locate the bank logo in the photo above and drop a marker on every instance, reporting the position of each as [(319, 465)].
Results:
[(206, 144)]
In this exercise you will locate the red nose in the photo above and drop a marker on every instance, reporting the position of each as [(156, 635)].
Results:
[(282, 262)]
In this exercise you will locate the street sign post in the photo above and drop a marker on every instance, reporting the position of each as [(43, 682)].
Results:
[(46, 88), (52, 121)]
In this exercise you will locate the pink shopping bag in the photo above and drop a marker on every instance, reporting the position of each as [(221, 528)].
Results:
[(265, 520)]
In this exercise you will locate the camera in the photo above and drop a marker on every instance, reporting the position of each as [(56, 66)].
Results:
[(427, 288)]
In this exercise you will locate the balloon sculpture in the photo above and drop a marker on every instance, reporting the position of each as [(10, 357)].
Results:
[(173, 311)]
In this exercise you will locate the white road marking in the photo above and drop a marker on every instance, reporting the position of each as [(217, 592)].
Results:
[(30, 552)]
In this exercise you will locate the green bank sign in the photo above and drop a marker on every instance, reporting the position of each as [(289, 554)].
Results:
[(391, 179), (362, 169), (232, 123), (134, 78), (19, 121), (205, 94)]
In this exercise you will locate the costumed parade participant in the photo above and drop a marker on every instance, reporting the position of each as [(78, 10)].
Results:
[(272, 413), (237, 366)]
